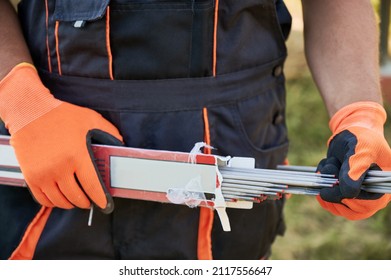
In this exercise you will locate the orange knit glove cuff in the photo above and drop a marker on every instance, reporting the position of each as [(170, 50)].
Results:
[(23, 97), (361, 114)]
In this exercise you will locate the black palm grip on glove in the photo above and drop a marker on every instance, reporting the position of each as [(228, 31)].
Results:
[(341, 148)]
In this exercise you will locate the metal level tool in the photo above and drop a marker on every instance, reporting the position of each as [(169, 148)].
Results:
[(153, 175)]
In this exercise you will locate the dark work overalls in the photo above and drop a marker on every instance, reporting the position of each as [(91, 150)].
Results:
[(167, 74)]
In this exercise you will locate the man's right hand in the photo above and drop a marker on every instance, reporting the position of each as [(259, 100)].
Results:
[(52, 141)]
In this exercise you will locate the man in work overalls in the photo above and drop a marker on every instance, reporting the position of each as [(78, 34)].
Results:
[(165, 75)]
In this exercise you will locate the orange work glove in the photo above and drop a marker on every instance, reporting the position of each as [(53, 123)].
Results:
[(357, 145), (52, 141)]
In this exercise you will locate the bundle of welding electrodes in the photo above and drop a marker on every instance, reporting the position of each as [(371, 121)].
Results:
[(259, 184)]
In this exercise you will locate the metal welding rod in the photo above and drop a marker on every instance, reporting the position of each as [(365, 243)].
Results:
[(284, 180)]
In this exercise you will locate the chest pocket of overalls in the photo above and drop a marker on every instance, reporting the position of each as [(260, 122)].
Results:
[(132, 40)]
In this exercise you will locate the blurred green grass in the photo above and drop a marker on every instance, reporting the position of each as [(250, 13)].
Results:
[(312, 233)]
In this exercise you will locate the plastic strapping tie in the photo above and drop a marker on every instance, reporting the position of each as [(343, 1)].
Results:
[(192, 194)]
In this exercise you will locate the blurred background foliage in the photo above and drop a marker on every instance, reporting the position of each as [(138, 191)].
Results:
[(313, 233)]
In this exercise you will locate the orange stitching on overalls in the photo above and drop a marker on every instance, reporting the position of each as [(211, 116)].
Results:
[(216, 18), (47, 37), (108, 47), (204, 246), (26, 248), (57, 47)]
